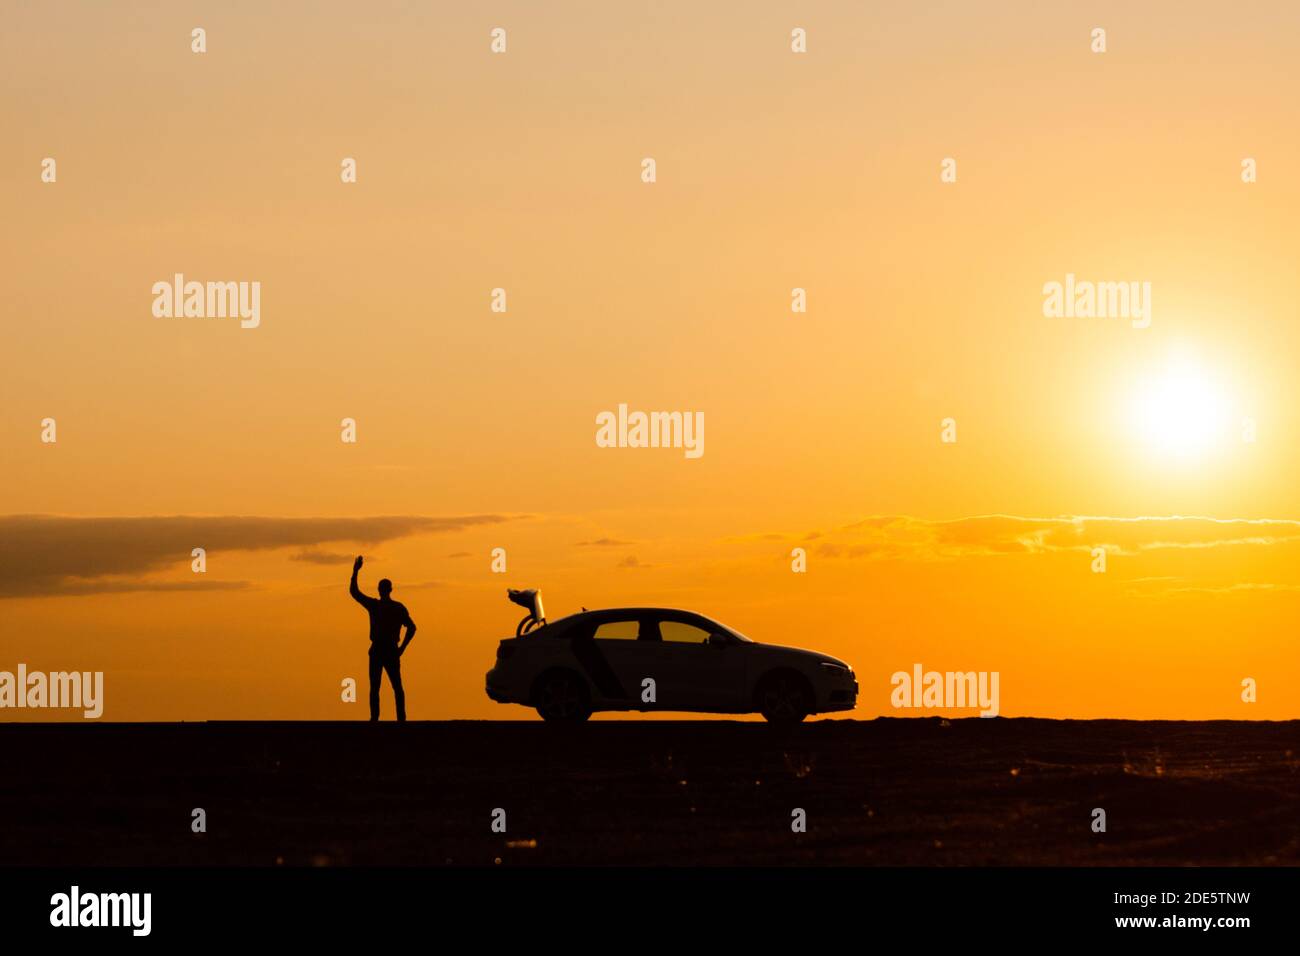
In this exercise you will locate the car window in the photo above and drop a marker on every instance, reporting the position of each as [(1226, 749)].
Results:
[(617, 631), (679, 632)]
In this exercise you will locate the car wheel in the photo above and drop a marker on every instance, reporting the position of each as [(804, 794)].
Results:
[(784, 698), (562, 697)]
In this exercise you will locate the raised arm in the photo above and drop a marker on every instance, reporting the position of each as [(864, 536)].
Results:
[(355, 591)]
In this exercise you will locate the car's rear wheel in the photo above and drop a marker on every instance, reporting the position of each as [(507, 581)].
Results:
[(562, 697), (784, 698)]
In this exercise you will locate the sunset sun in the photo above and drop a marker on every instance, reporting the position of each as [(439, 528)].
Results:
[(1180, 411)]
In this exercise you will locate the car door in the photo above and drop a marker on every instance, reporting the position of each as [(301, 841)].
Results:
[(693, 672), (613, 660)]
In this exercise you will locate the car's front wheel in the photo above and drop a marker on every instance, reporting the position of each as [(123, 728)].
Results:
[(562, 697), (784, 698)]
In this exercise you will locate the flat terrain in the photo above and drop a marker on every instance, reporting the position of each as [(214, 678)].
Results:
[(882, 792)]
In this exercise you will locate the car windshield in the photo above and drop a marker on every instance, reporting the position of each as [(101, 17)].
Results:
[(736, 634)]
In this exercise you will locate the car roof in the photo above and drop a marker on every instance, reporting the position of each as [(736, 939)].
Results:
[(638, 610), (561, 625), (626, 611)]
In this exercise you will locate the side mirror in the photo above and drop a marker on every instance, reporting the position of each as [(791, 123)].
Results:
[(719, 640)]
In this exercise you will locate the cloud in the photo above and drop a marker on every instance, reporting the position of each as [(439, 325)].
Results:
[(57, 555), (316, 556), (1240, 587), (1236, 588), (905, 537), (631, 561), (604, 543), (460, 554), (112, 586)]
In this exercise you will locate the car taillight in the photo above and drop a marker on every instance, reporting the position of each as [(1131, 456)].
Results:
[(504, 650)]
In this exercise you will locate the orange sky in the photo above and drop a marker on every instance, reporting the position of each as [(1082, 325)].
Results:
[(775, 171)]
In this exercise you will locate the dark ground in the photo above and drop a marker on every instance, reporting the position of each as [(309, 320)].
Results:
[(883, 792)]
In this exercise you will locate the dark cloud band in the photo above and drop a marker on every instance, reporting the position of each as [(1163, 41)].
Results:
[(51, 554)]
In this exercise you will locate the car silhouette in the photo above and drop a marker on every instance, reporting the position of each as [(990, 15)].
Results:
[(645, 658)]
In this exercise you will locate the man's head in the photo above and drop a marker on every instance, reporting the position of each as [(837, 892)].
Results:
[(385, 588)]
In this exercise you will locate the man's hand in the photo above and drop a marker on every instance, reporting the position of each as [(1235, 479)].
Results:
[(356, 565)]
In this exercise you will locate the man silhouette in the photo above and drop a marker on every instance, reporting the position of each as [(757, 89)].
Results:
[(387, 618)]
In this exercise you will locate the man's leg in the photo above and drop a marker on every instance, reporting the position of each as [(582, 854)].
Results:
[(376, 675), (394, 667)]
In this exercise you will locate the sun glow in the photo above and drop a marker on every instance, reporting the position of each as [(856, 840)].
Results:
[(1182, 412)]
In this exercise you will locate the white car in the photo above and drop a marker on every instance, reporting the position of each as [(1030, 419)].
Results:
[(643, 659)]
